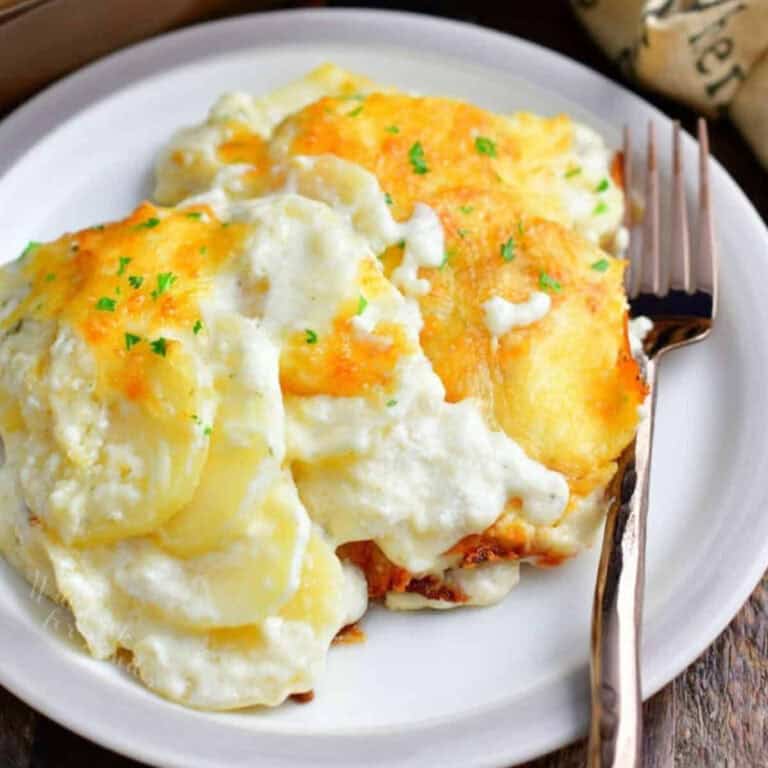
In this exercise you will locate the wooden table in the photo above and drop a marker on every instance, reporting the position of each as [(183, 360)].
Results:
[(715, 713)]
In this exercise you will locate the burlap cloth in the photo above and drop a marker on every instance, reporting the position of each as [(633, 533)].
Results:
[(710, 54)]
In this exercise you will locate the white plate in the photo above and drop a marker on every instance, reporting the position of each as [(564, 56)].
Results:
[(470, 688)]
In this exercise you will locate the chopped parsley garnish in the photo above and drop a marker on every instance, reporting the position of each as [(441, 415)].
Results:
[(203, 250), (520, 228), (207, 430), (32, 246), (131, 340), (148, 224), (601, 207), (164, 281), (548, 282), (159, 346), (135, 281), (573, 172), (352, 97), (311, 337), (400, 243), (50, 277), (355, 112), (392, 129), (362, 303), (416, 156), (123, 263), (603, 185), (462, 232), (391, 403), (197, 327), (485, 146), (196, 215), (105, 304), (508, 249), (466, 208), (98, 228), (601, 265), (388, 198), (447, 256), (117, 290)]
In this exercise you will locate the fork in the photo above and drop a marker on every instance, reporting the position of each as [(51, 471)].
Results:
[(679, 294)]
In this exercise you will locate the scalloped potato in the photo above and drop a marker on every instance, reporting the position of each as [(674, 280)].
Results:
[(378, 348)]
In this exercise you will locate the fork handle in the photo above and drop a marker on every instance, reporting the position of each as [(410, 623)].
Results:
[(615, 734)]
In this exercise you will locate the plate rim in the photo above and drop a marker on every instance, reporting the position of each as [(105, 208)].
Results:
[(56, 100)]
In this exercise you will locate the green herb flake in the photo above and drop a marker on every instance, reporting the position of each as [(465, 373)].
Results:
[(159, 346), (601, 207), (135, 281), (467, 209), (547, 282), (520, 229), (392, 129), (601, 265), (98, 228), (197, 327), (508, 249), (355, 112), (32, 246), (391, 403), (208, 431), (203, 250), (131, 340), (362, 303), (148, 224), (573, 172), (105, 304), (447, 256), (196, 215), (462, 232), (485, 146), (164, 281), (123, 262), (400, 244), (50, 277), (416, 156), (603, 185), (311, 337), (388, 198)]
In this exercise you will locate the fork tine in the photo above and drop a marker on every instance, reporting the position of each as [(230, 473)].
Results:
[(649, 265), (706, 256), (680, 272)]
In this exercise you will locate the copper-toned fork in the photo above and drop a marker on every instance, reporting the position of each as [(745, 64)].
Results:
[(678, 293)]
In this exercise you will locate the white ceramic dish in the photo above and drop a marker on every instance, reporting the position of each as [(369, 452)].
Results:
[(470, 688)]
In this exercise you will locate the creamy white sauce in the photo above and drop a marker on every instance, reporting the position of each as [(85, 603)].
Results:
[(403, 489), (639, 328), (356, 194), (502, 315)]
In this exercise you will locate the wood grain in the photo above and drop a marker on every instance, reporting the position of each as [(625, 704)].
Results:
[(715, 715)]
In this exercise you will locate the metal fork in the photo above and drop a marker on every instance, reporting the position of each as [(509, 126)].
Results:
[(679, 294)]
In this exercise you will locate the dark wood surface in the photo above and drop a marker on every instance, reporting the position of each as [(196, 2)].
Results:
[(715, 714)]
